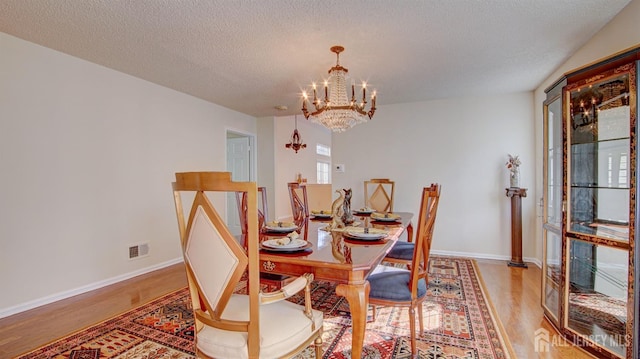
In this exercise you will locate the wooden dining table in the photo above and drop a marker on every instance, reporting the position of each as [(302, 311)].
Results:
[(335, 257)]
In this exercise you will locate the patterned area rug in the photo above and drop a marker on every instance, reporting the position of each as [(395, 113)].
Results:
[(459, 323)]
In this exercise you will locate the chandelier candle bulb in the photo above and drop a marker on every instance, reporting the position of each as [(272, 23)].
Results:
[(326, 87)]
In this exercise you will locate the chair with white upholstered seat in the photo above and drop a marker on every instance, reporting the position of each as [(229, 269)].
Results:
[(229, 324), (392, 286)]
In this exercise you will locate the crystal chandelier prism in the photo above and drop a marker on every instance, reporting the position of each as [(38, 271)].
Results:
[(336, 111)]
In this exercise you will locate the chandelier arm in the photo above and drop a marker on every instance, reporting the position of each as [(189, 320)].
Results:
[(371, 112)]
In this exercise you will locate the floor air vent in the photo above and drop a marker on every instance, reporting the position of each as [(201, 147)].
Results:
[(138, 250)]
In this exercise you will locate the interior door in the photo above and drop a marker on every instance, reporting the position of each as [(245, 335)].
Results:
[(239, 164)]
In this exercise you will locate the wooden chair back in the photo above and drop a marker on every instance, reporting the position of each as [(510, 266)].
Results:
[(424, 231), (214, 260), (378, 194), (299, 202), (263, 210)]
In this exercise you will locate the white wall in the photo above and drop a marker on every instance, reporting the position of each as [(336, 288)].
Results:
[(288, 163), (88, 155), (619, 34), (462, 144), (266, 160)]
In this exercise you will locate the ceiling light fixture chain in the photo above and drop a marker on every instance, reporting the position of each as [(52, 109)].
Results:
[(336, 111)]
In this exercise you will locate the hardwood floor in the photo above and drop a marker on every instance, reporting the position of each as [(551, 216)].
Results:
[(514, 292), (31, 329)]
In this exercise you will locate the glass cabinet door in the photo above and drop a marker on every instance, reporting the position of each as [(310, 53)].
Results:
[(599, 123), (597, 294), (599, 132), (552, 212)]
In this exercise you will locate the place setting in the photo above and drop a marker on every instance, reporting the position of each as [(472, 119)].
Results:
[(388, 218), (291, 243), (323, 214), (364, 234), (279, 227), (364, 211)]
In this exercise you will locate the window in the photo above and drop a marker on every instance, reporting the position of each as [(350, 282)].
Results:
[(323, 150), (323, 172), (323, 164)]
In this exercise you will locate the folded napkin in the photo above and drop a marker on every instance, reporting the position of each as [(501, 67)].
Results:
[(369, 230), (283, 241), (384, 215), (280, 224)]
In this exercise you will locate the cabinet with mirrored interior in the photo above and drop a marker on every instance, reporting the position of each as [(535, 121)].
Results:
[(589, 274)]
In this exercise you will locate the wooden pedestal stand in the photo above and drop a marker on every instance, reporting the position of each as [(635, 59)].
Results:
[(516, 193)]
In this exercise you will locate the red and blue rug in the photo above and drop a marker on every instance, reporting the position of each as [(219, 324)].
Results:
[(459, 324)]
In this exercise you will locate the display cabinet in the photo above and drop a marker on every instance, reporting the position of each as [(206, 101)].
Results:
[(589, 227)]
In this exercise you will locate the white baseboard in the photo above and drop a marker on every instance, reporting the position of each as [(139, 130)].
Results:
[(535, 261), (5, 312)]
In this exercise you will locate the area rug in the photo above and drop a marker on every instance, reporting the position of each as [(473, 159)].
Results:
[(458, 317)]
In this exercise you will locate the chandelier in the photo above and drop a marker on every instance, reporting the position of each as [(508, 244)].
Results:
[(336, 111), (295, 143)]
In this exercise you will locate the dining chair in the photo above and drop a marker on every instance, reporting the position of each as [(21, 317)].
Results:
[(393, 286), (228, 323), (263, 210), (270, 280), (299, 202), (378, 194), (402, 252)]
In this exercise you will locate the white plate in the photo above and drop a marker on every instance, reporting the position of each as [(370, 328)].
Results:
[(321, 215), (390, 217), (285, 227), (366, 236), (363, 211), (294, 244)]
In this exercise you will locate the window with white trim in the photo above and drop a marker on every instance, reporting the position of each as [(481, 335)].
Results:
[(323, 164), (323, 172)]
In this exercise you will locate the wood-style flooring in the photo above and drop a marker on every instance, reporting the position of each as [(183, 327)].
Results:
[(514, 292)]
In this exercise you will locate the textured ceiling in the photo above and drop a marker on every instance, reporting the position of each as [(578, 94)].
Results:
[(252, 55)]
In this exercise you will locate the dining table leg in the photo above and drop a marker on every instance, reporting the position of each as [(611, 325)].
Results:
[(357, 296), (410, 232)]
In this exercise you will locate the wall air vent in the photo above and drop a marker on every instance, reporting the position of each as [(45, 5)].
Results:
[(138, 250)]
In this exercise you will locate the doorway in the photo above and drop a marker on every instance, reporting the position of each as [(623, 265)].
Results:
[(241, 164)]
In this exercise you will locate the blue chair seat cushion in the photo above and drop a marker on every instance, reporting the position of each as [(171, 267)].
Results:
[(402, 250), (394, 286)]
